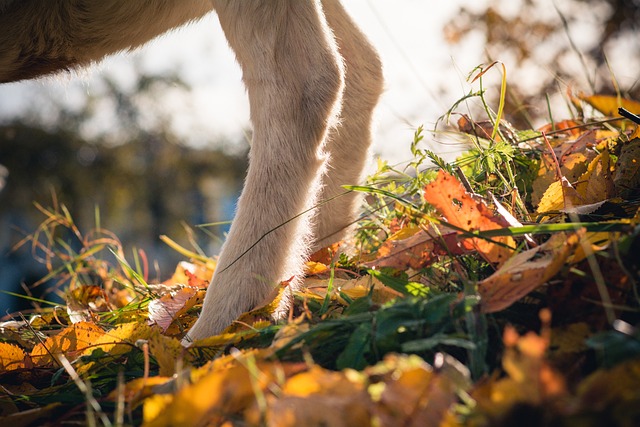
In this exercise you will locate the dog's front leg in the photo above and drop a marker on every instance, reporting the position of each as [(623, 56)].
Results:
[(294, 78)]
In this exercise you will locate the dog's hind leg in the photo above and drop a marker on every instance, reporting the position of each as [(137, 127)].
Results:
[(294, 78), (348, 143)]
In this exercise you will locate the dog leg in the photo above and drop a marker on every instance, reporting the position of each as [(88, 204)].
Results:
[(348, 144), (294, 78)]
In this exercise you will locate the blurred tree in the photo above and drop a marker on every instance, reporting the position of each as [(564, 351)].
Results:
[(143, 181), (589, 45)]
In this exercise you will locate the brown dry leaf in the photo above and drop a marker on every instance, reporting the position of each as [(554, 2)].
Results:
[(525, 272), (570, 126), (12, 357), (318, 397), (608, 105), (71, 341), (416, 251), (410, 393), (484, 129), (461, 209), (626, 177), (31, 417), (164, 310), (573, 156), (617, 386)]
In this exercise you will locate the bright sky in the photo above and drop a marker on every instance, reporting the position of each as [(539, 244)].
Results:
[(407, 33), (424, 75)]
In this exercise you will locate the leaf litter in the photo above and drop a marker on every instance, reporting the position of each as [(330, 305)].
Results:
[(474, 296)]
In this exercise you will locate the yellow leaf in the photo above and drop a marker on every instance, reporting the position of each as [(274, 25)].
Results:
[(121, 339), (530, 378), (314, 268), (154, 406), (214, 397), (596, 184), (116, 342), (626, 177), (167, 351), (608, 105), (11, 357), (138, 389)]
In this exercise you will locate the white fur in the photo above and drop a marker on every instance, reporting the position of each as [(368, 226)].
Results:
[(313, 81)]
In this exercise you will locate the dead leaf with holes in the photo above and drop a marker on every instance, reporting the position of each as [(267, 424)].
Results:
[(525, 272), (469, 213)]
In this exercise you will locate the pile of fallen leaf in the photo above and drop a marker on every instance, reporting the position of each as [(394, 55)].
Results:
[(472, 308)]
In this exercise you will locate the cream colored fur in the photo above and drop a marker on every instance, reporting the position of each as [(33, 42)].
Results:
[(313, 81)]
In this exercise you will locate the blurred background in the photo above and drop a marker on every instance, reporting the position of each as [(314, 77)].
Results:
[(156, 140)]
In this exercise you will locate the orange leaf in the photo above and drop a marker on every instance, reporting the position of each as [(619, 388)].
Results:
[(196, 275), (11, 357), (71, 341), (465, 211)]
